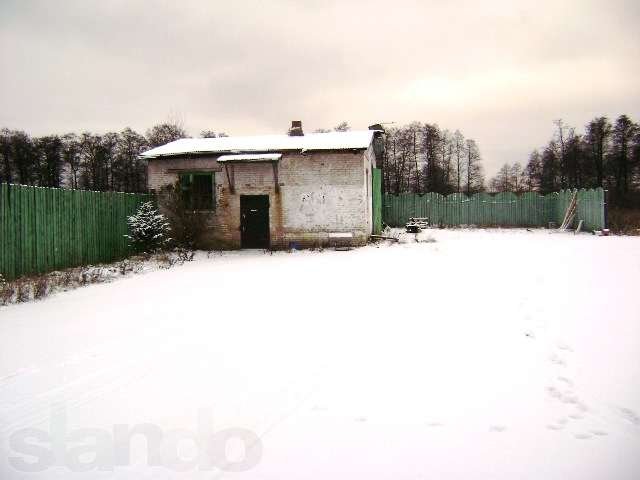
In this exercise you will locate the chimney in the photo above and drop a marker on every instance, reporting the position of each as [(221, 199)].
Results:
[(296, 129)]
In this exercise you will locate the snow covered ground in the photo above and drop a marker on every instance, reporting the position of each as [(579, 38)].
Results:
[(486, 354)]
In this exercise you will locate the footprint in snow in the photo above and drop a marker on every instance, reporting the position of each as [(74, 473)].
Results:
[(564, 346), (582, 436), (599, 433), (361, 419), (497, 428), (557, 360), (570, 398), (630, 416), (553, 426), (576, 416), (435, 424), (554, 392), (565, 380), (582, 407)]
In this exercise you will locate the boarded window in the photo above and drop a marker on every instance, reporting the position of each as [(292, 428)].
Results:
[(198, 190)]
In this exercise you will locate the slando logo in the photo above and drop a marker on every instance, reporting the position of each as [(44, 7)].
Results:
[(86, 449)]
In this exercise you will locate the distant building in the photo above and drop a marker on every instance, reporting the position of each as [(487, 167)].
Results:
[(273, 191)]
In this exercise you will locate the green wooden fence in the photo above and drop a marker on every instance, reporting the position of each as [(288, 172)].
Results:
[(503, 209), (45, 229)]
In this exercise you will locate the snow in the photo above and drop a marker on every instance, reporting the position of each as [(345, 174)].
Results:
[(265, 143), (490, 354), (251, 157)]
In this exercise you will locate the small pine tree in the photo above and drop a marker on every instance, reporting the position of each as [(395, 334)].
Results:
[(149, 229)]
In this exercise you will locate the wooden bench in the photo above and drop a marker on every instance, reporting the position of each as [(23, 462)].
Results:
[(416, 224)]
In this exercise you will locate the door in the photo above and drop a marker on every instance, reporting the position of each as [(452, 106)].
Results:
[(254, 221)]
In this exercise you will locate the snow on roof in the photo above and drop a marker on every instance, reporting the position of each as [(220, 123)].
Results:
[(265, 143), (250, 157)]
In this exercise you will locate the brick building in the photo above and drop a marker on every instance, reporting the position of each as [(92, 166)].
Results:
[(276, 190)]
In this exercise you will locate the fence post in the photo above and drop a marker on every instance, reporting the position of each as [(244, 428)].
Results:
[(605, 209)]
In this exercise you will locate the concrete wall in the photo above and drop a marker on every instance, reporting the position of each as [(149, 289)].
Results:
[(320, 192)]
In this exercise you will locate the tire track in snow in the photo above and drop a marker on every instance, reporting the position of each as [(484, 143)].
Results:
[(75, 393)]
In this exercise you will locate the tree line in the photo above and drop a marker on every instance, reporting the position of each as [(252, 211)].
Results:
[(101, 162), (422, 157), (417, 158), (606, 155)]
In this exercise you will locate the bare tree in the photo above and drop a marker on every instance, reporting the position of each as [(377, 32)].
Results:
[(212, 134), (24, 157), (502, 182), (518, 181), (6, 155), (342, 127), (624, 132), (129, 171), (71, 157), (431, 147), (475, 177), (446, 153), (186, 226), (459, 154), (49, 160), (164, 133), (422, 158), (560, 144), (549, 178), (597, 138), (574, 159), (533, 171), (93, 174)]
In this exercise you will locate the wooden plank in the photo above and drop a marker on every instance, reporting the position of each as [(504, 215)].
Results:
[(4, 231), (43, 229)]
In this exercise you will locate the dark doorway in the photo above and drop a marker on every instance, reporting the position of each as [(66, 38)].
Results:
[(254, 221)]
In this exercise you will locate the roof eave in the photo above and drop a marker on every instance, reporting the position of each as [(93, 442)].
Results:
[(228, 152)]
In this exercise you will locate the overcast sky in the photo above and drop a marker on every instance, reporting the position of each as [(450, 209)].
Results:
[(500, 71)]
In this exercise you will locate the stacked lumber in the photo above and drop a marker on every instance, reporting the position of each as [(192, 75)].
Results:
[(570, 213)]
